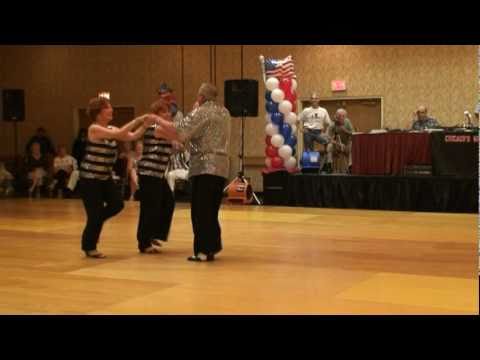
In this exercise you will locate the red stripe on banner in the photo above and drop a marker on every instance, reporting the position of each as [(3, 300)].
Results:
[(285, 69)]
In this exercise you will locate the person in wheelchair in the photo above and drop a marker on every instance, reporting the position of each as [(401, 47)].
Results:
[(37, 166)]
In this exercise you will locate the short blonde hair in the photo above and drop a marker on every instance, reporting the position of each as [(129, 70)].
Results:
[(208, 91)]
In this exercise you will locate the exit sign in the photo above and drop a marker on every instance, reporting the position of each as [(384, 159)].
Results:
[(339, 85)]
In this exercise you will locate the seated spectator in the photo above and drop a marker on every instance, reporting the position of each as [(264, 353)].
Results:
[(36, 164), (340, 148), (134, 157), (46, 145), (422, 121), (6, 181), (64, 166), (79, 146), (316, 121)]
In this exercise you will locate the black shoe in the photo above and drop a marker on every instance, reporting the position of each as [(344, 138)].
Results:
[(194, 258)]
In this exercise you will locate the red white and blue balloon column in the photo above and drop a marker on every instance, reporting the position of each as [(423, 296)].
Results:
[(281, 116)]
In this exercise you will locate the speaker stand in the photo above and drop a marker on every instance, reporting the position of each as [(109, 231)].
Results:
[(241, 177), (15, 142)]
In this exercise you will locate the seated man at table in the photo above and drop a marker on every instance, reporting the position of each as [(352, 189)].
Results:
[(340, 147), (315, 121), (422, 121)]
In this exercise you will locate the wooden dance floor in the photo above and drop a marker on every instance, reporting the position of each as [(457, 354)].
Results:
[(276, 260)]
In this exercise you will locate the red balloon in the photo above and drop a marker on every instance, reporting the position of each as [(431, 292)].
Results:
[(277, 162), (292, 98), (271, 151), (290, 95), (286, 85), (268, 140)]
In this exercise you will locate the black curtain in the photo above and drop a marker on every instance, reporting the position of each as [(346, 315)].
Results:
[(414, 193)]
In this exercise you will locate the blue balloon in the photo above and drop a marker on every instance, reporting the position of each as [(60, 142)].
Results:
[(292, 141), (268, 95), (277, 119), (286, 131), (271, 107)]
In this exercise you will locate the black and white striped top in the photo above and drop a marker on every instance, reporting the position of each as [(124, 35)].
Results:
[(99, 160), (156, 154)]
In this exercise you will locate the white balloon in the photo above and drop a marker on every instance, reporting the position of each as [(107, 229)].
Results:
[(291, 118), (285, 152), (285, 107), (271, 129), (294, 129), (268, 162), (290, 163), (272, 83), (278, 95), (268, 118), (277, 140), (294, 84)]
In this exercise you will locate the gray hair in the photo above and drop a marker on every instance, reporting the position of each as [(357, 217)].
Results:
[(341, 111), (208, 91)]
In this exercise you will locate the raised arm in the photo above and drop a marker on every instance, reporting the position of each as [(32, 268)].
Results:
[(165, 129), (97, 132)]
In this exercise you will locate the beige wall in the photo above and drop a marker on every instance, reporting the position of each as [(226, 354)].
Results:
[(57, 79)]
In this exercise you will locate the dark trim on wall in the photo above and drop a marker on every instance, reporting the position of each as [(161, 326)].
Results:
[(241, 62), (182, 76), (210, 48), (215, 65)]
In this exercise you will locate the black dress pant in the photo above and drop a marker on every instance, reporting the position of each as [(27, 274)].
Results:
[(62, 178), (157, 204), (207, 193), (102, 200)]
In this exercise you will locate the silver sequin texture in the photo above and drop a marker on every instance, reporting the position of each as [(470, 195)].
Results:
[(207, 133)]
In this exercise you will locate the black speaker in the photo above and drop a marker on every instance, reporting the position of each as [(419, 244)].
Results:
[(241, 97), (13, 105)]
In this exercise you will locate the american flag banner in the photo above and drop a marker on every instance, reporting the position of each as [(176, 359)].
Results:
[(280, 105), (280, 68)]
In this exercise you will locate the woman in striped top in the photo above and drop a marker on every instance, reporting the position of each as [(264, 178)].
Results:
[(156, 199), (101, 198), (206, 130)]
